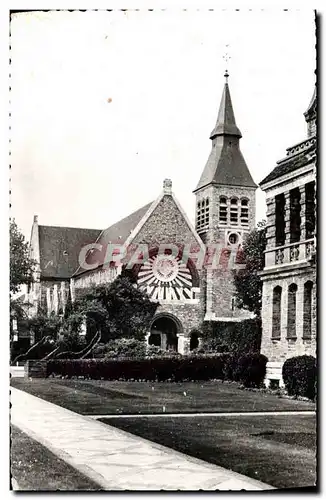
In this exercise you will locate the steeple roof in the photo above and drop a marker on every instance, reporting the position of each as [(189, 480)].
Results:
[(225, 124), (226, 164)]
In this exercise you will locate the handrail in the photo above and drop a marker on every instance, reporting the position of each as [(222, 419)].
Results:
[(282, 247)]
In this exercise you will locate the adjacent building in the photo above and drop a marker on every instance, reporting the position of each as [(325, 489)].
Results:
[(289, 276)]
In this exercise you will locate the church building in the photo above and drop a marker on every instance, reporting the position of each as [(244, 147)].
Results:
[(188, 293)]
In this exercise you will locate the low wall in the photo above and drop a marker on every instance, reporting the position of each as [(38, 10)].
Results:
[(35, 368)]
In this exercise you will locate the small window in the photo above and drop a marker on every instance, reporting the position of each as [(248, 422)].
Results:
[(244, 213), (202, 219), (222, 200), (233, 239), (233, 304), (234, 215)]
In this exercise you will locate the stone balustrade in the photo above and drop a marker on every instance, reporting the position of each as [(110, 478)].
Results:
[(290, 253)]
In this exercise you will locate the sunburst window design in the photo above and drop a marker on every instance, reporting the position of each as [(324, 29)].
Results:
[(165, 277)]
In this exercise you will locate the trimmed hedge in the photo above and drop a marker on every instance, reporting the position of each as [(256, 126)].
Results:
[(300, 376), (176, 369)]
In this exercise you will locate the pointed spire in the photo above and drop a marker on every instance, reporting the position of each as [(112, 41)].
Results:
[(225, 124), (225, 164)]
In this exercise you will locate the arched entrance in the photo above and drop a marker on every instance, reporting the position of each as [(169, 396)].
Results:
[(164, 330)]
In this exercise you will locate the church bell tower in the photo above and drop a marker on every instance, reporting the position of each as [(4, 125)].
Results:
[(225, 205)]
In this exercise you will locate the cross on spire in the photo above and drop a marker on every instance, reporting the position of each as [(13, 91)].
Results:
[(226, 58)]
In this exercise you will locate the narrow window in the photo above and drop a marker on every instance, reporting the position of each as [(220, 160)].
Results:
[(233, 304), (279, 219), (223, 214), (194, 341), (202, 218), (292, 304), (310, 210), (276, 316), (295, 219), (307, 312), (234, 212), (244, 214)]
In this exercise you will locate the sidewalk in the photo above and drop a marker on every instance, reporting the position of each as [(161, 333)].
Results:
[(115, 459)]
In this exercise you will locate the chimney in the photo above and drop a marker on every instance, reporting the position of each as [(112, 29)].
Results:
[(35, 219), (167, 186)]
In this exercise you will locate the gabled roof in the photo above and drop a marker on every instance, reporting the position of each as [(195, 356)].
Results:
[(118, 233), (60, 248)]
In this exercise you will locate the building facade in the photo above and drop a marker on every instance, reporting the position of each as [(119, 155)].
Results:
[(187, 269), (289, 276)]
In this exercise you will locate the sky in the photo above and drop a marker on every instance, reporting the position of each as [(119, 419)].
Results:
[(106, 105)]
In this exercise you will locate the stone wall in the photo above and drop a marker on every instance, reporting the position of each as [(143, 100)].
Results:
[(96, 277), (278, 350), (35, 369)]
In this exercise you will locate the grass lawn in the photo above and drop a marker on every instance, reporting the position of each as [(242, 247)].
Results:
[(278, 450), (98, 397), (35, 468)]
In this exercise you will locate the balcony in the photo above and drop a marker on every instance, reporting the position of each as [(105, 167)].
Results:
[(292, 253)]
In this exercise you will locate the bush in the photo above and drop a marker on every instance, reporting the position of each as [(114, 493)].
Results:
[(99, 351), (249, 370), (300, 376), (125, 348), (154, 351)]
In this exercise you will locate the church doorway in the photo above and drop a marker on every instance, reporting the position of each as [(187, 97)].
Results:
[(164, 331)]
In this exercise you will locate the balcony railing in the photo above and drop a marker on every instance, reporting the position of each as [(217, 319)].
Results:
[(301, 146), (292, 253)]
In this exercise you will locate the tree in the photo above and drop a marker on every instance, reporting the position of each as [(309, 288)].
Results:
[(119, 309), (21, 265), (247, 281)]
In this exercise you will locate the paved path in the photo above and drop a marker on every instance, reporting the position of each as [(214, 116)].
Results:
[(115, 459), (207, 414)]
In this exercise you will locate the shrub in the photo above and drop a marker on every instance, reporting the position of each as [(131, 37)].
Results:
[(251, 369), (125, 348), (154, 369), (300, 376), (99, 351), (154, 351)]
